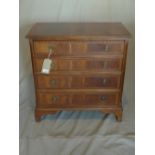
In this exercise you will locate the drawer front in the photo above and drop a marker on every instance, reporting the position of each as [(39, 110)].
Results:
[(95, 82), (57, 65), (69, 100), (95, 99), (61, 48), (52, 99), (60, 82), (102, 82), (82, 65), (97, 64), (97, 47), (52, 82)]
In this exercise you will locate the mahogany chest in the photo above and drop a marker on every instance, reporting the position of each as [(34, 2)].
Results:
[(88, 66)]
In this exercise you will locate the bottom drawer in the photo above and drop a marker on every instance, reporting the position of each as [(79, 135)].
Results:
[(68, 100)]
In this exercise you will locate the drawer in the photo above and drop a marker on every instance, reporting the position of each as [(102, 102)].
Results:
[(69, 100), (89, 82), (97, 47), (52, 99), (72, 81), (58, 65), (59, 48), (52, 82), (95, 99), (98, 64), (113, 64), (64, 48)]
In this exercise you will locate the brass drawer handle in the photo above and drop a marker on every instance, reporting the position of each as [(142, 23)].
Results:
[(103, 98), (55, 99), (53, 83)]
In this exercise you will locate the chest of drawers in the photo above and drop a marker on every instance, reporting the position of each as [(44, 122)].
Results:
[(88, 66)]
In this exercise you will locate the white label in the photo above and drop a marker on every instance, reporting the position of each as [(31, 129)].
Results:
[(46, 67)]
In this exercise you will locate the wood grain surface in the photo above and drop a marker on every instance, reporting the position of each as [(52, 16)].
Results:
[(88, 66)]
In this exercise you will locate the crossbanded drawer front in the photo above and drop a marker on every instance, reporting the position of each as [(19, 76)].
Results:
[(97, 47), (52, 82), (105, 82), (95, 99), (58, 47), (105, 64), (114, 64), (64, 82), (64, 48), (52, 99), (68, 100)]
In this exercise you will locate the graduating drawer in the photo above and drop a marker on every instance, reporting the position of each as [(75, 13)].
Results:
[(97, 47), (58, 48), (102, 82), (105, 99), (105, 82), (57, 65), (52, 82), (76, 81), (114, 64), (76, 99), (104, 64), (53, 99), (64, 48)]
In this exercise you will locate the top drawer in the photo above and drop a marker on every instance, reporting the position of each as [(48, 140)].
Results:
[(66, 48), (59, 48)]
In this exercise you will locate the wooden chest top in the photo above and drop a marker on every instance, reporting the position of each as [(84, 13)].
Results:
[(76, 31)]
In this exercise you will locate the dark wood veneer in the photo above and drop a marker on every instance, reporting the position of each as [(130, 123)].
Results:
[(89, 66)]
